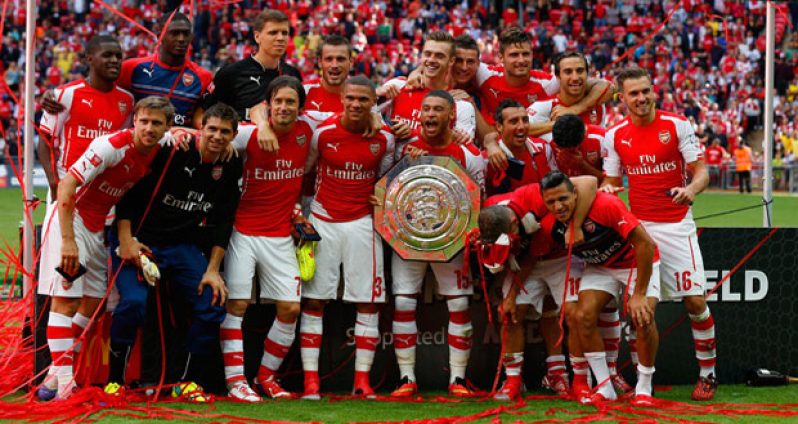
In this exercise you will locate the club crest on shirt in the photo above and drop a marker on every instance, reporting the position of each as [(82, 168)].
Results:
[(94, 158), (375, 148), (532, 98), (592, 156), (187, 79), (216, 172), (301, 139), (122, 107), (589, 226), (664, 137), (593, 117)]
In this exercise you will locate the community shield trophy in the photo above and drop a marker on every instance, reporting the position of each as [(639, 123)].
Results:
[(428, 206)]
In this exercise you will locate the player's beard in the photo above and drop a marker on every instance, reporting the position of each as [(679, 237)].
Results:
[(642, 109), (334, 80)]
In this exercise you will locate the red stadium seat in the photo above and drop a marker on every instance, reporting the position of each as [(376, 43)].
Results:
[(555, 15), (576, 27)]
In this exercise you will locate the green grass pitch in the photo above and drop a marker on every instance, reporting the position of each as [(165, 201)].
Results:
[(784, 207), (731, 397)]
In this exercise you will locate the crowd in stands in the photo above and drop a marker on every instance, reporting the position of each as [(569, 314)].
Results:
[(707, 56)]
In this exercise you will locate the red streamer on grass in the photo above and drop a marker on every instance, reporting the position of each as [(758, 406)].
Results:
[(16, 362)]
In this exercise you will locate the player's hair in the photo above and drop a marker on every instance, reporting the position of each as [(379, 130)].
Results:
[(443, 94), (568, 55), (554, 179), (286, 81), (568, 131), (511, 36), (504, 104), (97, 41), (269, 15), (177, 17), (493, 221), (158, 104), (442, 37), (335, 40), (632, 72), (361, 80), (222, 111), (467, 42)]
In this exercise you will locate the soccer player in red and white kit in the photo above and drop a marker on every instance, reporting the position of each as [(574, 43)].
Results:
[(533, 157), (657, 150), (508, 225), (324, 94), (437, 58), (435, 138), (621, 262), (516, 79), (578, 152), (349, 165), (261, 239), (92, 107), (111, 165), (571, 70), (577, 146)]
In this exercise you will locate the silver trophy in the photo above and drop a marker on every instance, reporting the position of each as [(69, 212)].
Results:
[(428, 205)]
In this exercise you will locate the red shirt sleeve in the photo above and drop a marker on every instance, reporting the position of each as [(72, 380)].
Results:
[(610, 211), (542, 242)]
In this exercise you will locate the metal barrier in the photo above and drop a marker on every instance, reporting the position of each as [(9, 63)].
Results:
[(724, 177)]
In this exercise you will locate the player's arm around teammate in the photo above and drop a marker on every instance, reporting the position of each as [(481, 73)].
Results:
[(347, 169), (619, 253), (104, 173), (185, 189), (262, 242)]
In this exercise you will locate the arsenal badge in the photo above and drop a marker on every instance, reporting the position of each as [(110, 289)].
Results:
[(664, 137), (216, 172), (589, 226), (375, 148), (122, 107), (187, 79), (301, 139)]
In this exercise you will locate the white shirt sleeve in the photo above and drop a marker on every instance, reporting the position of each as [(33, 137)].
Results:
[(539, 112), (476, 166), (466, 119), (386, 107), (612, 162), (53, 124), (246, 132), (313, 151), (552, 86), (688, 142), (100, 156), (550, 159), (484, 72), (387, 161)]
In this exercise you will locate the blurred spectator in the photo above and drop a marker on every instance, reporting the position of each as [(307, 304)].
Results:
[(743, 162), (709, 52)]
